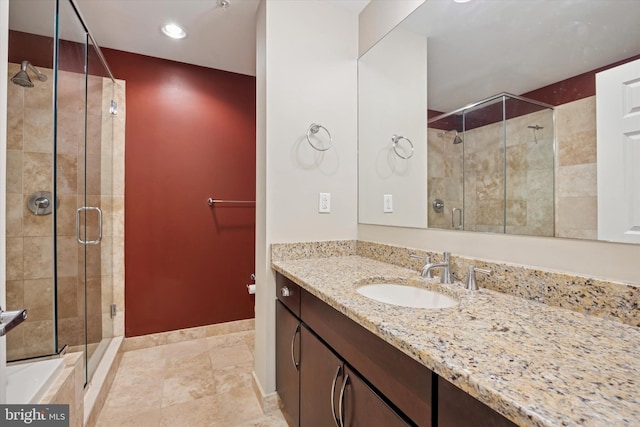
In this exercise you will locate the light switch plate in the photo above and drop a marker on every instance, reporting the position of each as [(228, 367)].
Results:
[(324, 203), (388, 203)]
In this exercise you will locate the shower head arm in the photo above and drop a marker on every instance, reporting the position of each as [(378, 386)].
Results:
[(26, 64)]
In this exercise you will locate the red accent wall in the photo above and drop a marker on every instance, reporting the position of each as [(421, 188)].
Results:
[(190, 135)]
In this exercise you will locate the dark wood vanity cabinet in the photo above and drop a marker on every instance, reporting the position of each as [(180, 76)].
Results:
[(320, 351), (332, 393), (314, 369)]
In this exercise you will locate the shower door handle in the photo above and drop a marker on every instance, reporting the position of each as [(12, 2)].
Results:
[(453, 220), (78, 238)]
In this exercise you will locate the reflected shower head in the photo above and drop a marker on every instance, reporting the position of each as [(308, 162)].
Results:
[(22, 77), (457, 139)]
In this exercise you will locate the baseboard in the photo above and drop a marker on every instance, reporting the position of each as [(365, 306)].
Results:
[(269, 402)]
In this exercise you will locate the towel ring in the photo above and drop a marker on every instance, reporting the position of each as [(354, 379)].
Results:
[(314, 129), (396, 140)]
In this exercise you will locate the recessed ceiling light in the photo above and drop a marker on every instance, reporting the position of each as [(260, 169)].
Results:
[(462, 1), (174, 31)]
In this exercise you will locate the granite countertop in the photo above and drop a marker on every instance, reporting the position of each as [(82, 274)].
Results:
[(537, 365)]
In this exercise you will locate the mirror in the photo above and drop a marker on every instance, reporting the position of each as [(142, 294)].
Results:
[(534, 171)]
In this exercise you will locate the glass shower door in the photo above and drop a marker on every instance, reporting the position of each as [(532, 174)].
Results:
[(82, 176), (69, 179), (98, 208)]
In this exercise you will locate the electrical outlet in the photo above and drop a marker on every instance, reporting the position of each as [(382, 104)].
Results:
[(388, 203), (324, 203)]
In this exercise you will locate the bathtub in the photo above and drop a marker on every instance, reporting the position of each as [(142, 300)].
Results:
[(28, 382)]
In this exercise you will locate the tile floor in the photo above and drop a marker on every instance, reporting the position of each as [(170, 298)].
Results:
[(199, 383)]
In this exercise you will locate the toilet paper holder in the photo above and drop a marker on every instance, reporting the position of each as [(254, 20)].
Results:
[(251, 287)]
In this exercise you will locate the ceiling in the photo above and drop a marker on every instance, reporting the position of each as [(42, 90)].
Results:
[(219, 38), (484, 47)]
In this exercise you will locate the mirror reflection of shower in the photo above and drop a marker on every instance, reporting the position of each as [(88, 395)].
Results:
[(456, 138), (502, 179), (22, 77)]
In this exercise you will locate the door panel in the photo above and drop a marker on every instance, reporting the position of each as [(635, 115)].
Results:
[(362, 407), (618, 124), (287, 355), (320, 369)]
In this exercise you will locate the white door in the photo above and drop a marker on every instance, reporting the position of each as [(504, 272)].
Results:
[(618, 124)]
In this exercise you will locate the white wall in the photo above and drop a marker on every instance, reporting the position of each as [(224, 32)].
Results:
[(4, 62), (392, 100), (264, 333), (306, 72)]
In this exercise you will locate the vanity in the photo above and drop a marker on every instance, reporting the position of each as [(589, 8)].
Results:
[(491, 360)]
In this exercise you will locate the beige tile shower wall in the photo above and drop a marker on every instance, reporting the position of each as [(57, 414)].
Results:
[(576, 183), (29, 260), (484, 178), (70, 173), (444, 167), (113, 141), (95, 174), (530, 172)]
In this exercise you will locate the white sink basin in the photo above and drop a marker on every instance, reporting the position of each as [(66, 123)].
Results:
[(406, 296)]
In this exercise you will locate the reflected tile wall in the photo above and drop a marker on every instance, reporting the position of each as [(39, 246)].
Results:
[(444, 165), (576, 186)]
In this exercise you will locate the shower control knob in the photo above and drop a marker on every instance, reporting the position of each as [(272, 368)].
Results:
[(285, 292)]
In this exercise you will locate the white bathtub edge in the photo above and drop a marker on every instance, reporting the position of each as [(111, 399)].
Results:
[(28, 382)]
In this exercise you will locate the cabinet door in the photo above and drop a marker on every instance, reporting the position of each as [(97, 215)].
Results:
[(321, 374), (359, 406), (287, 363)]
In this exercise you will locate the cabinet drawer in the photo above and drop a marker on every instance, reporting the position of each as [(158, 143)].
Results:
[(404, 382), (288, 293)]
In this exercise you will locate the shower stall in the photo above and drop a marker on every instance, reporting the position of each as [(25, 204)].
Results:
[(64, 190), (491, 167)]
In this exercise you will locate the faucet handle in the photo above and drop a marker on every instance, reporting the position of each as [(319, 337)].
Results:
[(471, 278), (426, 259)]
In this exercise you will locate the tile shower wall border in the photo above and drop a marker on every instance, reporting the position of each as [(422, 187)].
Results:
[(610, 300)]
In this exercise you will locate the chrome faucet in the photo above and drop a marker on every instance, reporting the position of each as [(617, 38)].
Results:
[(445, 277), (471, 278)]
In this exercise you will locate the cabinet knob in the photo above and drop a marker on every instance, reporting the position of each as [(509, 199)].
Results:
[(285, 292)]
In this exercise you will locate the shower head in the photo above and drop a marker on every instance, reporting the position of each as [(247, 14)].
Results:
[(457, 139), (22, 77)]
